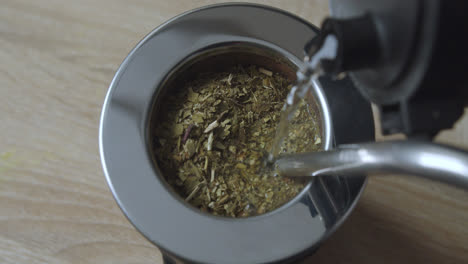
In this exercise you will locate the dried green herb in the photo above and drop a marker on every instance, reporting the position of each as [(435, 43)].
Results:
[(212, 135)]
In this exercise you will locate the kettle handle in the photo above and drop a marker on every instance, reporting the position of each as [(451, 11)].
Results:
[(419, 158)]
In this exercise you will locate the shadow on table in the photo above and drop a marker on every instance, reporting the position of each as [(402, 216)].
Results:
[(371, 235)]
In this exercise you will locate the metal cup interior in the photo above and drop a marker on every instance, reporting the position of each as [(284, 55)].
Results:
[(220, 58)]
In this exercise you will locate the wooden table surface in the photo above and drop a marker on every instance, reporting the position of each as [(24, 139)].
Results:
[(57, 60)]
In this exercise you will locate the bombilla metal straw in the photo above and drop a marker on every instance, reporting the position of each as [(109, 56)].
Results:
[(424, 159)]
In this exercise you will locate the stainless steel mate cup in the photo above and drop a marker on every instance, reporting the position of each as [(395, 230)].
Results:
[(209, 37)]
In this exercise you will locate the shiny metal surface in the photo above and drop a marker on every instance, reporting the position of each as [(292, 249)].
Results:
[(329, 50), (179, 230), (424, 159)]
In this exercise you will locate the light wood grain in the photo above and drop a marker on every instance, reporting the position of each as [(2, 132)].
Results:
[(57, 60)]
